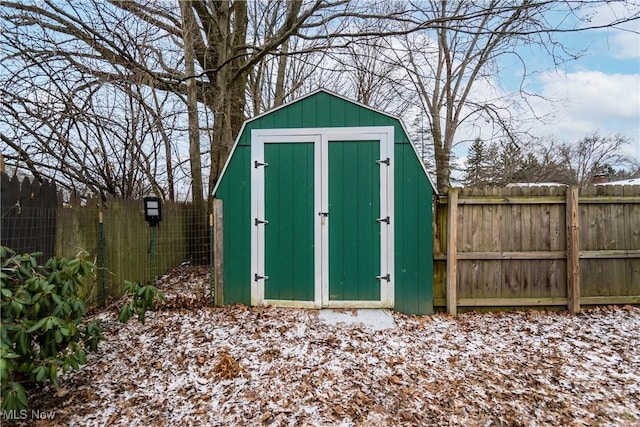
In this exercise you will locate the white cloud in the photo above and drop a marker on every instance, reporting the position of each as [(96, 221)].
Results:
[(594, 94), (625, 45), (592, 101), (605, 13), (623, 41)]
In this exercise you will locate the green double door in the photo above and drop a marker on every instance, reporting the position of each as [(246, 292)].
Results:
[(324, 225)]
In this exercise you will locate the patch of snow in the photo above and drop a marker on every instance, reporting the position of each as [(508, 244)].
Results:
[(274, 366), (371, 319)]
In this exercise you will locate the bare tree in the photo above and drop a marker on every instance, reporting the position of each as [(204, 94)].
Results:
[(87, 132), (458, 48), (189, 31), (593, 155), (86, 135), (447, 48), (364, 72), (142, 42), (225, 59), (565, 163), (281, 74)]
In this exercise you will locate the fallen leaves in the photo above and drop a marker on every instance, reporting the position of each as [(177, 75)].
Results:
[(238, 366), (227, 367)]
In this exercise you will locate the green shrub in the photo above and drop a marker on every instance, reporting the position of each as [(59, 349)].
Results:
[(42, 313), (141, 299)]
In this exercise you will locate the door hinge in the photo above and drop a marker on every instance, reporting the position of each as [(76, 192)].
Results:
[(386, 161), (257, 221), (257, 277), (387, 220), (386, 277), (257, 164)]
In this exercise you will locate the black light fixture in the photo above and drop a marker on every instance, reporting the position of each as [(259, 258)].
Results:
[(152, 210)]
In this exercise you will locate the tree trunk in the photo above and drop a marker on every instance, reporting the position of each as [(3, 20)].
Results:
[(228, 97), (443, 167), (195, 160), (282, 65), (198, 250)]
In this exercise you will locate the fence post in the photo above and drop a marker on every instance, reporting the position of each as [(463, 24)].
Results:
[(101, 263), (218, 252), (212, 292), (452, 251), (573, 251), (154, 253)]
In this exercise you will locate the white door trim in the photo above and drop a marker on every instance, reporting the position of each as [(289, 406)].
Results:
[(258, 139), (321, 137)]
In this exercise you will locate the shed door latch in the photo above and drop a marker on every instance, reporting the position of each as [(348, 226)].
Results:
[(323, 217), (386, 161), (257, 221), (257, 164), (381, 220), (257, 277), (386, 277)]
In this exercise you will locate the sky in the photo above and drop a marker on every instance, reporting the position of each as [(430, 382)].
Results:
[(598, 92)]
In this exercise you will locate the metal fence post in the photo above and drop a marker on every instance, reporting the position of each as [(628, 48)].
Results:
[(154, 253)]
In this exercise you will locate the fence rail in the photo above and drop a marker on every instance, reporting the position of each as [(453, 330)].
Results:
[(533, 246)]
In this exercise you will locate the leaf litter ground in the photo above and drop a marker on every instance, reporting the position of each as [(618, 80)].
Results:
[(191, 364)]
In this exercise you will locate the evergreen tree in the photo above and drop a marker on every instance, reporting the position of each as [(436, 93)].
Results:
[(477, 165), (511, 161), (494, 165)]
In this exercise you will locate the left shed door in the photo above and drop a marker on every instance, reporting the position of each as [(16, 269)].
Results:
[(289, 230)]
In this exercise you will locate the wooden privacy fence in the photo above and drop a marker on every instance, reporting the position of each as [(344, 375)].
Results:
[(116, 236), (113, 232), (518, 246), (537, 246), (28, 213)]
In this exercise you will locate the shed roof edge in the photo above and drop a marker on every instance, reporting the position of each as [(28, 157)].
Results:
[(344, 98)]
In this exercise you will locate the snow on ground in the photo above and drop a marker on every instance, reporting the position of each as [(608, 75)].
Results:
[(271, 366)]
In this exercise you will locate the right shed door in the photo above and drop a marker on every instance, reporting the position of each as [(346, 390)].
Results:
[(354, 232)]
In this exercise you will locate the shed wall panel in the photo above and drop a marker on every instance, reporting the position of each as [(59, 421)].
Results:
[(414, 238), (235, 191), (322, 110)]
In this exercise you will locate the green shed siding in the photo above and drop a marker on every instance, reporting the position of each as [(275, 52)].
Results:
[(413, 196), (413, 234), (321, 110), (235, 192)]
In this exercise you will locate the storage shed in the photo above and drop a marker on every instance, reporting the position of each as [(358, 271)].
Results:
[(327, 204)]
